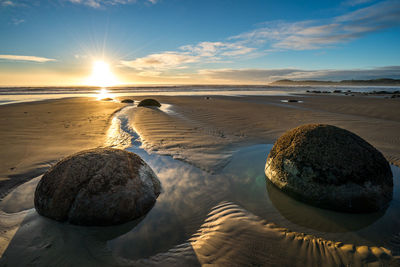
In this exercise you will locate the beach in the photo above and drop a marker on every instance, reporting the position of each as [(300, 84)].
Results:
[(36, 134), (193, 143), (262, 119)]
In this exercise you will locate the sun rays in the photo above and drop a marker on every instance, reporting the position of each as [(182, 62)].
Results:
[(101, 75)]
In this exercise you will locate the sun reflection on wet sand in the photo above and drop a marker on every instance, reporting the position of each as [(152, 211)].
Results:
[(103, 93)]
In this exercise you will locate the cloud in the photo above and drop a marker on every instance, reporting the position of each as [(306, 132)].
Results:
[(25, 58), (356, 2), (102, 3), (269, 75), (315, 34), (160, 61), (277, 36), (18, 21), (7, 3), (201, 52), (213, 49)]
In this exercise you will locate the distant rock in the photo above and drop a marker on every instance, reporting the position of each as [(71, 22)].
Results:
[(107, 99), (330, 167), (373, 82), (149, 103), (102, 186), (128, 101), (293, 100)]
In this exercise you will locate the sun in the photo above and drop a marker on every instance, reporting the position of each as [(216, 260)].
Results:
[(102, 75)]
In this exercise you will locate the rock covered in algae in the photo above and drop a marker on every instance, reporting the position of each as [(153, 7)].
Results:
[(149, 103), (102, 186), (331, 168)]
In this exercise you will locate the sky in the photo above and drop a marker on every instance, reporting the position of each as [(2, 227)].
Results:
[(56, 42)]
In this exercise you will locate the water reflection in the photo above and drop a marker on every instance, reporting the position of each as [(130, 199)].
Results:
[(316, 218), (45, 242), (103, 93), (189, 193)]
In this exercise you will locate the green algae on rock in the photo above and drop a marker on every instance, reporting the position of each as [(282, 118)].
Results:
[(330, 167), (102, 186)]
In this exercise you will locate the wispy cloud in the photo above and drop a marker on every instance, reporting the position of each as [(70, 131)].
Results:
[(276, 36), (103, 3), (89, 3), (315, 34), (160, 61), (357, 2), (269, 75), (25, 58), (201, 52), (7, 3), (214, 49), (16, 3), (18, 21)]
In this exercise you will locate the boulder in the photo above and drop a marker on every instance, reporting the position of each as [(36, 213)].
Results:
[(128, 101), (102, 186), (149, 103), (330, 167)]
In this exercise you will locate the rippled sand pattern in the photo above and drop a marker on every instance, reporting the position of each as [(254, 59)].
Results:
[(231, 236)]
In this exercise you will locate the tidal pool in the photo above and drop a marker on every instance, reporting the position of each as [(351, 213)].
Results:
[(188, 195)]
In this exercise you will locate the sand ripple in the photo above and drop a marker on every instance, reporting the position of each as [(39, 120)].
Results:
[(231, 236)]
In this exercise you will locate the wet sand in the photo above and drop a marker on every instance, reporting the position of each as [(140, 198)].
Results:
[(238, 121), (34, 135), (205, 133), (231, 236)]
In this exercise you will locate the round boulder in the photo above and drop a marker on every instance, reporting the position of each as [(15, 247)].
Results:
[(330, 167), (149, 103), (102, 186), (127, 101)]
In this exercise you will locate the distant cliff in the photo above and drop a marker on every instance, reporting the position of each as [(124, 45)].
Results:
[(374, 82)]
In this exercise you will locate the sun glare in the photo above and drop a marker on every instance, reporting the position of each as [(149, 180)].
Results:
[(101, 75), (103, 93)]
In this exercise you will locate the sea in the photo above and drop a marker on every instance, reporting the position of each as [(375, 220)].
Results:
[(10, 95)]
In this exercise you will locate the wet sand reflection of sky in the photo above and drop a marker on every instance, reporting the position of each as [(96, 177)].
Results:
[(188, 195)]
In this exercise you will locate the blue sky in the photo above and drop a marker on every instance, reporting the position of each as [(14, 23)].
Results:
[(186, 42)]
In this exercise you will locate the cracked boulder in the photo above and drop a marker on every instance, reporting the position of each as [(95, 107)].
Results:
[(330, 167), (102, 186)]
